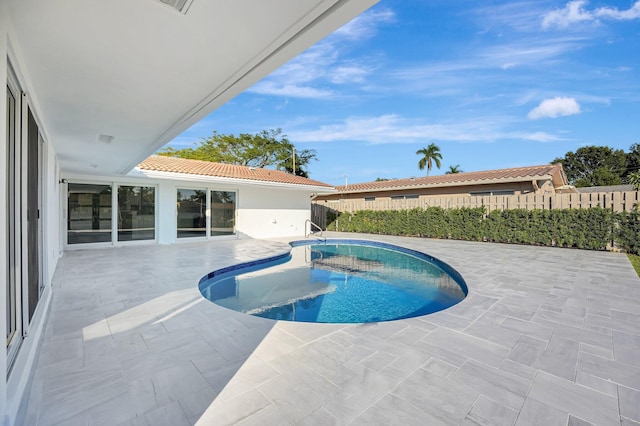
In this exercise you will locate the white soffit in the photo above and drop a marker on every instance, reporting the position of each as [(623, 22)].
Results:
[(142, 72)]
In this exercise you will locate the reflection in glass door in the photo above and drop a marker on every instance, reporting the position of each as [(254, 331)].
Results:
[(136, 213), (89, 217), (192, 209), (223, 213)]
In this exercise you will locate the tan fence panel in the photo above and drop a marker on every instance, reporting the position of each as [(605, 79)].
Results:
[(616, 201)]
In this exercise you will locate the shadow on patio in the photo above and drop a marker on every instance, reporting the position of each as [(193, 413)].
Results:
[(129, 335)]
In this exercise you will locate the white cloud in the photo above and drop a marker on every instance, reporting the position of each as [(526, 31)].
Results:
[(555, 107), (393, 129), (575, 11), (500, 56), (323, 63), (541, 137), (289, 90), (348, 74), (620, 15), (365, 25), (522, 16)]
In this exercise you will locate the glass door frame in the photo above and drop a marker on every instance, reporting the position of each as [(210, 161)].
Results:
[(14, 224), (24, 222), (114, 213), (208, 189), (66, 217)]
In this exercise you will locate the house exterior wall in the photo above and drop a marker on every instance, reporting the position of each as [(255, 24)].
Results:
[(519, 188), (261, 211), (268, 213)]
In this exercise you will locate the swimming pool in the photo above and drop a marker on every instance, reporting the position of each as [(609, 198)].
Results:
[(338, 281)]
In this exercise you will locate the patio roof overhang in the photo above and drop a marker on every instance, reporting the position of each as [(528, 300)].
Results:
[(113, 81)]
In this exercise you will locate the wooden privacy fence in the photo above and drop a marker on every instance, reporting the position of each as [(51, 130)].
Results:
[(616, 201)]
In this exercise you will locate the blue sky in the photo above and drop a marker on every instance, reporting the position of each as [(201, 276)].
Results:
[(494, 84)]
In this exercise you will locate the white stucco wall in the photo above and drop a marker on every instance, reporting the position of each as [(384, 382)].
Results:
[(271, 213), (52, 211)]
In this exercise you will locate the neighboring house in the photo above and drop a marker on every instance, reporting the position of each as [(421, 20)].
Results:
[(168, 199), (607, 188), (546, 180), (95, 87)]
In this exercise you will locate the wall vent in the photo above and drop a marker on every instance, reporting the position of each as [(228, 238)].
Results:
[(181, 6)]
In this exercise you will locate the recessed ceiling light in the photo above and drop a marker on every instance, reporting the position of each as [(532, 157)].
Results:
[(105, 139), (181, 6)]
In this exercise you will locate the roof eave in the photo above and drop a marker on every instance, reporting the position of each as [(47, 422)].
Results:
[(450, 184), (153, 174)]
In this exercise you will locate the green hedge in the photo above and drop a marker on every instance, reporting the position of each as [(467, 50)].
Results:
[(593, 228), (628, 232)]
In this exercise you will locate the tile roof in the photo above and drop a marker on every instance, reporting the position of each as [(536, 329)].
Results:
[(456, 179), (206, 168), (610, 188)]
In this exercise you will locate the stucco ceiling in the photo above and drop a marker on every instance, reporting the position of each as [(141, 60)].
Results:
[(143, 72)]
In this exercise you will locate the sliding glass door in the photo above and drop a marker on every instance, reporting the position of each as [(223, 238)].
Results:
[(205, 213), (23, 196), (89, 213), (192, 210), (136, 213)]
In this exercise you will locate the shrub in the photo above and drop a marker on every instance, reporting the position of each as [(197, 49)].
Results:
[(579, 228), (628, 232)]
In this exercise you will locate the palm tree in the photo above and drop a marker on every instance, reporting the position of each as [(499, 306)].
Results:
[(454, 169), (431, 154)]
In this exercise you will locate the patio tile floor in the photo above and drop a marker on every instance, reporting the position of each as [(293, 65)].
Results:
[(546, 336)]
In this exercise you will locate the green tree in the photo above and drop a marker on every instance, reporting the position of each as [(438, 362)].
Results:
[(302, 159), (594, 166), (634, 179), (268, 148), (453, 170), (430, 155), (633, 160)]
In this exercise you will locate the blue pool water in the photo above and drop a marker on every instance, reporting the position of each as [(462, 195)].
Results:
[(338, 281)]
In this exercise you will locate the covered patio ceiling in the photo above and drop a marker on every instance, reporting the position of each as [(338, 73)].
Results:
[(113, 81)]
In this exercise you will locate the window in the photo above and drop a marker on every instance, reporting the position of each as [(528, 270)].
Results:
[(369, 198), (192, 207), (489, 193), (223, 213), (405, 197), (89, 217), (136, 213)]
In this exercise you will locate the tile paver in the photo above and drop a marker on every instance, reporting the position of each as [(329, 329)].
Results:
[(546, 335)]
